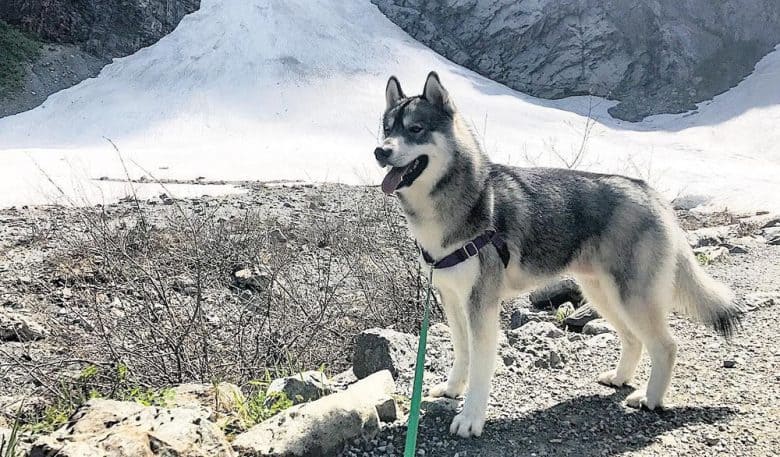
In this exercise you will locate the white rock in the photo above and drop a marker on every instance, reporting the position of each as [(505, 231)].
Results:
[(127, 429), (17, 327), (535, 329), (222, 398), (322, 426), (299, 388), (597, 327), (602, 341)]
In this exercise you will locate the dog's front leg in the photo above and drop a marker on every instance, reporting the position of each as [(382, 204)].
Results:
[(456, 319), (482, 315)]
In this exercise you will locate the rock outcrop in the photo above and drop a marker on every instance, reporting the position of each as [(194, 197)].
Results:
[(322, 427), (127, 429), (106, 29), (77, 38), (654, 57)]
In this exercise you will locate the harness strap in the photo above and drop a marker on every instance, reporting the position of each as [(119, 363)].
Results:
[(469, 250)]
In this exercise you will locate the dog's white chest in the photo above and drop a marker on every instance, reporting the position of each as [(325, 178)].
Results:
[(459, 279)]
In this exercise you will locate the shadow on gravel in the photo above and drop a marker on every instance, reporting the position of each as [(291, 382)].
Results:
[(585, 426)]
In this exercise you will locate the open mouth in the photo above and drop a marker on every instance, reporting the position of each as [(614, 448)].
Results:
[(399, 177)]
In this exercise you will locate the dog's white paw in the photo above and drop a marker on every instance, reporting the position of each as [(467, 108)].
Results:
[(445, 389), (468, 424), (638, 399), (609, 378)]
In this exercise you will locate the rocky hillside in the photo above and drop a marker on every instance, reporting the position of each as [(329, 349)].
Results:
[(654, 57), (121, 327), (76, 39)]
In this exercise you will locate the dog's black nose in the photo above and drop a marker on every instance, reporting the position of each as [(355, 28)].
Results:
[(382, 154)]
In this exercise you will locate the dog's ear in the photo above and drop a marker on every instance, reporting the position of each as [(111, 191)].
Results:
[(393, 92), (435, 93)]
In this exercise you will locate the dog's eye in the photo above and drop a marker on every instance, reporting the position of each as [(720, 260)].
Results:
[(415, 129)]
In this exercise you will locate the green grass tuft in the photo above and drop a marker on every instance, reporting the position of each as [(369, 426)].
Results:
[(16, 49)]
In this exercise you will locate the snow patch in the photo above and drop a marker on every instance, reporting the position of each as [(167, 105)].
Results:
[(293, 90)]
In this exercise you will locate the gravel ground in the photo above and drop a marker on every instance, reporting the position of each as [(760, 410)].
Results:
[(712, 410), (534, 410)]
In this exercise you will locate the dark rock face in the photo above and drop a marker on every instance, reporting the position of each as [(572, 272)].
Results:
[(660, 56), (80, 37), (110, 28)]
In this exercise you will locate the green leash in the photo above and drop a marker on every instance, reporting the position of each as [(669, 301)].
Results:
[(414, 411)]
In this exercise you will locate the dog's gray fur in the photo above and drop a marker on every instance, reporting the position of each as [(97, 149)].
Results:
[(614, 234)]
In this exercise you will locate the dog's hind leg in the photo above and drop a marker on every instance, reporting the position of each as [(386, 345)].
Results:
[(631, 346), (456, 319), (649, 323), (483, 340)]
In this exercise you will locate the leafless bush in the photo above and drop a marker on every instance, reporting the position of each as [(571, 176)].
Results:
[(158, 291)]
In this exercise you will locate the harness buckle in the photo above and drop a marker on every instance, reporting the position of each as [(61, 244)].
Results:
[(466, 249)]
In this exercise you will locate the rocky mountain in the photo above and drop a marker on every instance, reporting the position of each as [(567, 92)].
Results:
[(113, 28), (77, 38), (659, 56)]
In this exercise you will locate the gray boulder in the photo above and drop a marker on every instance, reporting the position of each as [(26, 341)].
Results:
[(322, 427), (379, 349), (299, 388)]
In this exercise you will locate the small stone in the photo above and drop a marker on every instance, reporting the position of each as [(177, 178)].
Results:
[(387, 409), (601, 341), (17, 327), (597, 327), (519, 318), (711, 440), (299, 388), (729, 363), (555, 358), (735, 248), (581, 316), (251, 279), (762, 299), (439, 405)]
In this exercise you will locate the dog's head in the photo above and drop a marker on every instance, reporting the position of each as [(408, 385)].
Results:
[(415, 131)]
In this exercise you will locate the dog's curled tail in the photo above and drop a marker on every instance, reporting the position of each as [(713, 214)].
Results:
[(703, 298)]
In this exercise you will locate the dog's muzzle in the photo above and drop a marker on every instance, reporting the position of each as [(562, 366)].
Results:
[(382, 155)]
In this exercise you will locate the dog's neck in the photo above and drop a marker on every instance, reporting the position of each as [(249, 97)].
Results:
[(453, 204)]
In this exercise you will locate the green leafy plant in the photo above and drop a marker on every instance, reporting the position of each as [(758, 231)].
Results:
[(261, 406), (703, 259), (16, 49), (90, 384)]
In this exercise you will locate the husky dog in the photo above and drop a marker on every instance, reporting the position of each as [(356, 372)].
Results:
[(614, 234)]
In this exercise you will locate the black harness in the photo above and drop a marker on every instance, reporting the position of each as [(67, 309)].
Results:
[(469, 250)]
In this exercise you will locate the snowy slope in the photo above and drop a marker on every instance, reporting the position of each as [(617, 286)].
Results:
[(293, 89)]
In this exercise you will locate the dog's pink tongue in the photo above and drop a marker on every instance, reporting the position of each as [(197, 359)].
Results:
[(393, 179)]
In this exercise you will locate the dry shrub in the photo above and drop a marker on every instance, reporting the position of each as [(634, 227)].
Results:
[(159, 292)]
